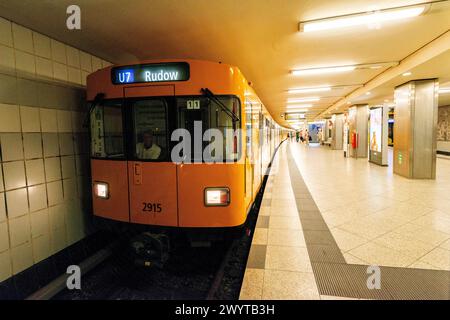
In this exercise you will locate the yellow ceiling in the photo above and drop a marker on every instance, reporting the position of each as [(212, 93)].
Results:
[(259, 36), (437, 67)]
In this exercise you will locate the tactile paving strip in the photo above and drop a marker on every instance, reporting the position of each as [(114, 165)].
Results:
[(325, 253), (350, 280), (334, 277)]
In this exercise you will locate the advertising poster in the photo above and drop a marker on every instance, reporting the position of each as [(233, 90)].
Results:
[(315, 131), (376, 116)]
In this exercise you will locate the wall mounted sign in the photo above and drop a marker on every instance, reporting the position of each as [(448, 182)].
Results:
[(294, 116)]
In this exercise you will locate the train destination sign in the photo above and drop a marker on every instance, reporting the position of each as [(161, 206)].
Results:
[(153, 72)]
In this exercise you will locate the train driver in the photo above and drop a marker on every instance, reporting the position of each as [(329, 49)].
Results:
[(148, 149)]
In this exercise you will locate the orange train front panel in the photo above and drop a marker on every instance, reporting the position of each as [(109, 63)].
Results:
[(192, 181), (114, 174), (153, 193), (220, 78)]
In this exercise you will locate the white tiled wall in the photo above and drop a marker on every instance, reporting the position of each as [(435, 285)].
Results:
[(31, 54), (43, 148)]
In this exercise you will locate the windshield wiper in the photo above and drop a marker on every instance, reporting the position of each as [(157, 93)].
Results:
[(98, 98), (211, 95)]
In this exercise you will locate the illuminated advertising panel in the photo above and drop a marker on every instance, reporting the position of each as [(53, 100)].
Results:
[(375, 129), (316, 132)]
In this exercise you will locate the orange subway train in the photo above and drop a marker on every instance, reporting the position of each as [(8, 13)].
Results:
[(151, 124)]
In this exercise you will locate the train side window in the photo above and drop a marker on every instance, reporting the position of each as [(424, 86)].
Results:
[(107, 131), (150, 129)]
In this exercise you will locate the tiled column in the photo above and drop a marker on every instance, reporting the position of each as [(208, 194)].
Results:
[(415, 129)]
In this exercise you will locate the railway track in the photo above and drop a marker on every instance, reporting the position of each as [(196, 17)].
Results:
[(190, 274), (187, 275)]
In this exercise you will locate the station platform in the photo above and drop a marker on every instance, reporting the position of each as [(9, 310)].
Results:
[(326, 221)]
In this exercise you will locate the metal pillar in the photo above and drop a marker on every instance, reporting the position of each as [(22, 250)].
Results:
[(336, 132), (415, 129)]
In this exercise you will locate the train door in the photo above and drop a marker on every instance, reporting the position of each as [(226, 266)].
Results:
[(248, 153), (264, 143), (271, 139), (151, 201), (261, 142), (256, 147)]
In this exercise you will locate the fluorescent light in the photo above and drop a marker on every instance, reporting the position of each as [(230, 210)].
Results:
[(444, 90), (309, 99), (358, 19), (368, 93), (407, 74), (323, 70), (306, 90), (346, 68), (307, 105)]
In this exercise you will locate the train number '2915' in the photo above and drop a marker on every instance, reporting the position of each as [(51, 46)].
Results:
[(152, 207)]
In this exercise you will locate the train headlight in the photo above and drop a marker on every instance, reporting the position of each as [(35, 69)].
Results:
[(217, 196), (101, 190)]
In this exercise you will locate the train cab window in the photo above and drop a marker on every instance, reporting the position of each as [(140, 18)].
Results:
[(222, 119), (107, 130), (150, 129), (199, 114)]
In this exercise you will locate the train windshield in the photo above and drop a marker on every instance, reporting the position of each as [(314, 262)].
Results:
[(150, 133), (150, 123), (107, 130), (213, 117)]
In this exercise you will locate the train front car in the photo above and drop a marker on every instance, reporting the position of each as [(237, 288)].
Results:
[(151, 125)]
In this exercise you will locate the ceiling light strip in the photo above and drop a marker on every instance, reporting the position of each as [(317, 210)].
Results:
[(322, 88), (339, 69), (308, 99), (369, 18)]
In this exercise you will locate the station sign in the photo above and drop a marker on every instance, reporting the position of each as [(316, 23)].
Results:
[(152, 72), (294, 116)]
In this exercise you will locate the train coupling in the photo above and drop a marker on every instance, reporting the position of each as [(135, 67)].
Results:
[(151, 249)]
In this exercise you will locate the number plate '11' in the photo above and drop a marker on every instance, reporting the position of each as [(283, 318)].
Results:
[(193, 104)]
